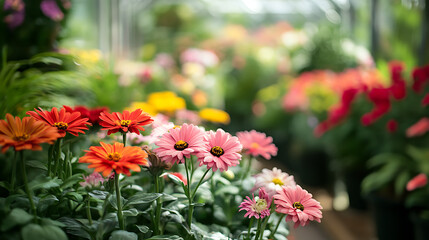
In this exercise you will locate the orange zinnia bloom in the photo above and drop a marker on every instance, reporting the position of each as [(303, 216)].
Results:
[(124, 122), (25, 134), (115, 157), (64, 121)]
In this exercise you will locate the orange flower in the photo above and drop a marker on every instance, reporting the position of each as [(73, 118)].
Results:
[(25, 134), (115, 157), (124, 122), (63, 121)]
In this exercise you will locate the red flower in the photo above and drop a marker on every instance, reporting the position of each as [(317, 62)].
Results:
[(420, 77), (425, 100), (179, 176), (392, 125), (338, 113), (125, 122), (419, 128), (93, 114), (417, 182), (62, 120)]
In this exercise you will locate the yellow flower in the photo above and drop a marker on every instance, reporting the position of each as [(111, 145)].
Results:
[(87, 57), (167, 102), (144, 106), (215, 115)]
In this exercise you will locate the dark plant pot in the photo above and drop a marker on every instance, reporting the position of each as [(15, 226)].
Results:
[(312, 168), (391, 218), (421, 227), (353, 180)]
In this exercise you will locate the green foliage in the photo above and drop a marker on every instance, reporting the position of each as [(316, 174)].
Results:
[(38, 81)]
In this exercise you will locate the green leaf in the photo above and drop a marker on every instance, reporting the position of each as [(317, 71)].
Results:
[(48, 232), (143, 228), (229, 189), (74, 196), (45, 202), (16, 217), (45, 183), (98, 194), (165, 237), (401, 182), (36, 164), (74, 227), (198, 204), (71, 181), (167, 197), (143, 198), (123, 235), (131, 212)]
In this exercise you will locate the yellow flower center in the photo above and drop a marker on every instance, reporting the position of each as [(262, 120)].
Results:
[(21, 138), (277, 181), (61, 125), (125, 123), (114, 156), (298, 205), (254, 145), (261, 205), (180, 145), (217, 151)]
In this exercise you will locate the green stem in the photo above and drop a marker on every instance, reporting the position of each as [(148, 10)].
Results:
[(277, 226), (247, 169), (118, 202), (124, 138), (158, 208), (13, 176), (258, 230), (27, 189), (88, 209), (199, 183), (50, 153), (264, 225), (250, 227), (57, 156)]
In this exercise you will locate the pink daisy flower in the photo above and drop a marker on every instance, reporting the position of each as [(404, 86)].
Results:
[(273, 180), (178, 143), (220, 151), (298, 205), (258, 208), (92, 180), (417, 182), (257, 144)]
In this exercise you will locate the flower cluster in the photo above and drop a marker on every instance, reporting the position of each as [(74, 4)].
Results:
[(288, 198), (217, 150)]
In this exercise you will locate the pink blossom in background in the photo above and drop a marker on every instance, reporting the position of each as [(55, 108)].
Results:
[(257, 144), (419, 128), (298, 204), (179, 143), (17, 15), (92, 180), (187, 116), (165, 60), (417, 182), (273, 180), (258, 208), (157, 133), (159, 120), (220, 151), (51, 10), (201, 56)]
